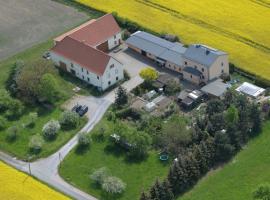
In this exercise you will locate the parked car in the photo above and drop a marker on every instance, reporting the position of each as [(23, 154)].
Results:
[(46, 55), (83, 110), (76, 108)]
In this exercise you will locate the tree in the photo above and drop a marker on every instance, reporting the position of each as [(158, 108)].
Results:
[(48, 89), (144, 196), (214, 106), (121, 97), (3, 123), (113, 185), (36, 143), (149, 74), (255, 117), (262, 192), (12, 133), (32, 117), (224, 149), (99, 175), (69, 119), (172, 87), (232, 115), (50, 129), (84, 140)]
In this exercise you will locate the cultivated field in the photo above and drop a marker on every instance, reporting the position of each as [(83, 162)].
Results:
[(16, 185), (28, 22), (241, 27)]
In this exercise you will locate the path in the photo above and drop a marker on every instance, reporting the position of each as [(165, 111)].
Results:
[(46, 169)]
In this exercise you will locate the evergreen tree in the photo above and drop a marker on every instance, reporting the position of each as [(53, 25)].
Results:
[(144, 196), (121, 97), (166, 191)]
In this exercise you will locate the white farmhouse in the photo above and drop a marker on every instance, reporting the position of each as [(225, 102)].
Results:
[(83, 52)]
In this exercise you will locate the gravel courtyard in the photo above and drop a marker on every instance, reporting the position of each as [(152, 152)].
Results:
[(24, 23)]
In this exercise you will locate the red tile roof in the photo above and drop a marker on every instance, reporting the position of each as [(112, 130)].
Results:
[(61, 37), (98, 31), (83, 54)]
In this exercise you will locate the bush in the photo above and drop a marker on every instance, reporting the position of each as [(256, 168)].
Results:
[(35, 143), (12, 133), (99, 175), (113, 185), (84, 140), (69, 120), (32, 117), (172, 87), (128, 112), (50, 129), (111, 116), (100, 135), (3, 123), (126, 75)]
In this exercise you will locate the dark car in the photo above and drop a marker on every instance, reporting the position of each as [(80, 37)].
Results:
[(76, 108), (83, 110), (46, 55)]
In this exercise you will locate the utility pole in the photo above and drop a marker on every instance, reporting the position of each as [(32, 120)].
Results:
[(59, 156), (29, 168)]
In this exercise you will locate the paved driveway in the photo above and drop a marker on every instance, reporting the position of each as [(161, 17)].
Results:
[(24, 23)]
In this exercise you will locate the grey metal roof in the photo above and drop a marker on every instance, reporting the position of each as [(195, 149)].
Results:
[(216, 88), (158, 47), (203, 54), (192, 70)]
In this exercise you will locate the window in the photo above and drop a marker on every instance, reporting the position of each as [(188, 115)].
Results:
[(98, 77), (202, 69), (190, 76), (185, 63), (222, 71), (109, 83), (115, 37), (117, 78), (82, 69), (222, 64), (88, 79), (71, 64), (115, 42), (202, 76), (112, 66), (87, 72), (83, 77)]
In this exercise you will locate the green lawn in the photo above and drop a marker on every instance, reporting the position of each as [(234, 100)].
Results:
[(138, 176), (238, 179)]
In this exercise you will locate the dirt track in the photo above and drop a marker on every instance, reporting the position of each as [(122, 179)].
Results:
[(24, 23)]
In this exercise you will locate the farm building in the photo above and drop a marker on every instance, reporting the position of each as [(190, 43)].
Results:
[(83, 52), (198, 64), (216, 88), (207, 63), (250, 90)]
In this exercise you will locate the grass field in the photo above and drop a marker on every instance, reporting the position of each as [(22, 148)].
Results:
[(241, 28), (138, 176), (238, 179), (16, 185)]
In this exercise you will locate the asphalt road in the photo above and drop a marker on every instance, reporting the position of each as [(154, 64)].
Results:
[(24, 23)]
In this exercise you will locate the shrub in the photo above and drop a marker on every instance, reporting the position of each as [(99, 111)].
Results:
[(3, 123), (100, 135), (84, 140), (50, 129), (12, 133), (128, 112), (99, 175), (69, 119), (32, 117), (172, 87), (15, 109), (111, 116), (113, 185), (149, 74), (126, 75), (35, 143)]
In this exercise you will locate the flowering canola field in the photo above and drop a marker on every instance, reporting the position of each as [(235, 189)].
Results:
[(16, 185), (241, 28)]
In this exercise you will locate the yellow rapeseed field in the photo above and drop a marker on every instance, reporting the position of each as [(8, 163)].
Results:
[(240, 27), (15, 185)]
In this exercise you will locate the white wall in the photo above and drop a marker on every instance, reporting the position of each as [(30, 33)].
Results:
[(220, 66), (114, 41), (112, 73)]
